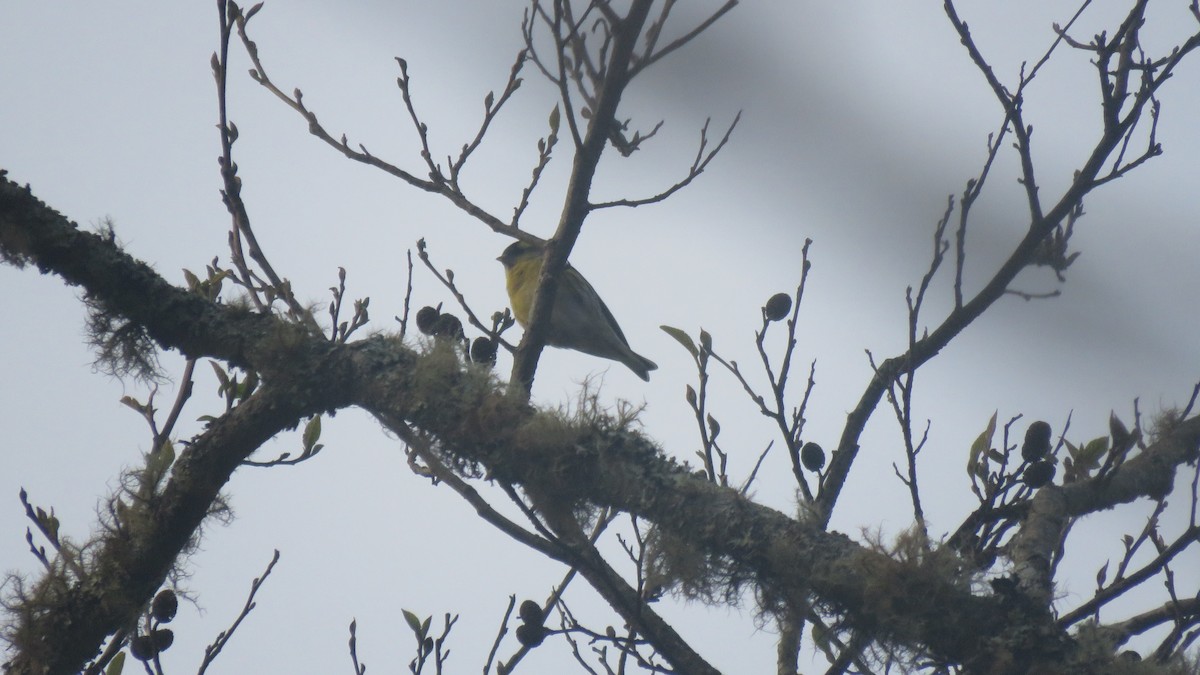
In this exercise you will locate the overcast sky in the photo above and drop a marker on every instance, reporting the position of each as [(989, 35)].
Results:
[(859, 119)]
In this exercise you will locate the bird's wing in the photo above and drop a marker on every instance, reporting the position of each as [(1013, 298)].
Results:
[(612, 320)]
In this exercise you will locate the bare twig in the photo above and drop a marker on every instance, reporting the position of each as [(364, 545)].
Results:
[(213, 649), (491, 107), (1120, 586), (698, 165), (408, 288), (232, 192), (436, 183), (500, 633), (359, 669), (1041, 225), (653, 57)]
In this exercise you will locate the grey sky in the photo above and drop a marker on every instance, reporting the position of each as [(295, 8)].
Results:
[(859, 119)]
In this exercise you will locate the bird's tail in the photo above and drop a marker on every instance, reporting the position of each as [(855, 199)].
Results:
[(639, 365)]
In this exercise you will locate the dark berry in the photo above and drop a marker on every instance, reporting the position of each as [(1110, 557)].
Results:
[(448, 326), (1040, 473), (164, 606), (426, 318), (142, 648), (483, 350), (163, 638), (531, 635), (777, 307), (531, 613), (1037, 442), (812, 456)]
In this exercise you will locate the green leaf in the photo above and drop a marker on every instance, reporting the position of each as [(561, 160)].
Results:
[(134, 403), (312, 433), (982, 444), (242, 390), (705, 341), (215, 282), (192, 280), (1122, 438), (981, 471), (1089, 456), (682, 338), (414, 623), (222, 377), (555, 117), (116, 665)]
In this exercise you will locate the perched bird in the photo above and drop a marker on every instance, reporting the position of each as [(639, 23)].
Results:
[(579, 319)]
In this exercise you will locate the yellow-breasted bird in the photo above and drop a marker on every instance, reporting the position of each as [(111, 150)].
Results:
[(579, 320)]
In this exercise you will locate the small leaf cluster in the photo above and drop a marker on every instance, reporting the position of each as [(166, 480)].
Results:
[(427, 645), (209, 287)]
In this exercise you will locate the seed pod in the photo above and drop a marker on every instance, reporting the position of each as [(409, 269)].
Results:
[(483, 350), (1037, 442), (812, 456), (531, 613), (777, 307), (163, 638), (531, 635), (142, 648), (1040, 473), (164, 606), (426, 318), (448, 326)]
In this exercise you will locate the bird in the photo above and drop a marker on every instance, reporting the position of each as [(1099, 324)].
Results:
[(579, 319)]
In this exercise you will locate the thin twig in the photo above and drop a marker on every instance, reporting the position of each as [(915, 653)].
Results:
[(232, 192), (213, 649), (698, 165)]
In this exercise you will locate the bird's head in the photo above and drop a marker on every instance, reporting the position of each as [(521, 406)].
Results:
[(519, 250)]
